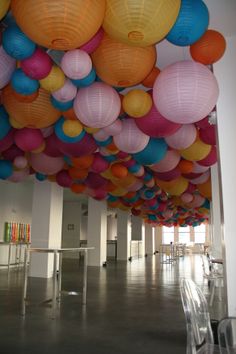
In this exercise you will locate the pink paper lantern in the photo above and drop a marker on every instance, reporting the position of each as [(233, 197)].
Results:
[(66, 93), (85, 146), (167, 213), (168, 163), (97, 105), (198, 200), (99, 164), (76, 64), (45, 164), (155, 125), (131, 139), (197, 168), (94, 42), (183, 137), (7, 66), (185, 92), (19, 176), (28, 139), (47, 131), (201, 179), (64, 179), (20, 162), (210, 159), (101, 135), (208, 135), (114, 128), (186, 197), (203, 123), (100, 194), (38, 66), (7, 141)]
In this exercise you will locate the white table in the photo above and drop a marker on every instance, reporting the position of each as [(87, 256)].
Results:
[(56, 293), (18, 252)]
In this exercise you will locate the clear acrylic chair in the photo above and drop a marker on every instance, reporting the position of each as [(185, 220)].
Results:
[(214, 277), (199, 332), (227, 335)]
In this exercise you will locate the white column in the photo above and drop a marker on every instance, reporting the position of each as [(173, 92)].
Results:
[(97, 232), (225, 71), (216, 247), (123, 235), (71, 226), (158, 238), (137, 232), (46, 226), (111, 227), (149, 240)]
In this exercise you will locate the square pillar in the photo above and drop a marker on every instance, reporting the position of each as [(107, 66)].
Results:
[(123, 235), (157, 238), (149, 240)]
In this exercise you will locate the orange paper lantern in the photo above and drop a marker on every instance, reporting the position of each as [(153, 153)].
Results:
[(77, 188), (119, 171), (76, 173), (83, 161), (59, 24), (185, 166), (120, 65), (151, 78)]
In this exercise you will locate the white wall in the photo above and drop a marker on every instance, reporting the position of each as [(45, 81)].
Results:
[(71, 223), (111, 227)]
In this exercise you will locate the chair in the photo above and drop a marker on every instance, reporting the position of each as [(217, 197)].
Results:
[(227, 335), (213, 276), (199, 332)]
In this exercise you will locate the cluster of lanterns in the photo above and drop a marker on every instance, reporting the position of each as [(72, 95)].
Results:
[(65, 115)]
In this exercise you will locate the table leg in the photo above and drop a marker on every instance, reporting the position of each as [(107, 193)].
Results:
[(9, 258), (24, 293), (59, 277), (54, 294), (85, 277)]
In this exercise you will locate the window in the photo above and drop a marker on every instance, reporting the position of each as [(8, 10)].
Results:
[(184, 234), (200, 233), (168, 234)]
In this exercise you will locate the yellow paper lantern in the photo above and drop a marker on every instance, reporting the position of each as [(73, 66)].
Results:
[(197, 151), (59, 24), (54, 81), (118, 192), (4, 6), (175, 187), (72, 128), (120, 65), (37, 114), (15, 124), (137, 103), (140, 22)]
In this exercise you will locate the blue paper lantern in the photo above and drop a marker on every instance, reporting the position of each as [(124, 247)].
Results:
[(152, 153), (86, 81), (17, 44), (191, 23), (23, 84), (106, 142), (61, 106), (58, 128), (6, 169), (40, 176), (5, 126)]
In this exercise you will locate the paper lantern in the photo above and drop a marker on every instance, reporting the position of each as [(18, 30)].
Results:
[(175, 187), (64, 179), (77, 188), (169, 175), (23, 84), (12, 153), (59, 24), (187, 197), (61, 106), (205, 188), (38, 65), (136, 103), (51, 148), (7, 66), (99, 163), (197, 151), (17, 44), (191, 23), (185, 92), (70, 114), (7, 141), (65, 93), (94, 42), (131, 139), (168, 163), (118, 170), (97, 106), (155, 125), (19, 176), (114, 128), (121, 65), (197, 168), (210, 159), (209, 48), (4, 5), (23, 98), (6, 169), (201, 179), (76, 64), (208, 135), (183, 137), (140, 23), (28, 139), (198, 200), (185, 166), (20, 162), (94, 180), (83, 147), (154, 152), (37, 114), (101, 135), (86, 81), (54, 80), (46, 164), (151, 78), (5, 125)]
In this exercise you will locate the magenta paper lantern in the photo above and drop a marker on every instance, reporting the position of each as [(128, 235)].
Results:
[(203, 123), (7, 141), (94, 180), (64, 179), (97, 105), (45, 164), (85, 146), (197, 168), (155, 125), (7, 66), (169, 175), (131, 139), (114, 128), (28, 139), (51, 147), (94, 42), (208, 135), (210, 159), (66, 93), (20, 162), (201, 179), (99, 164), (38, 66), (19, 176), (186, 197), (185, 92), (76, 64), (11, 153), (183, 137), (168, 163)]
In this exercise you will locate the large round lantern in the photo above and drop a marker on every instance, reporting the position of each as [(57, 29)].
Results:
[(168, 163), (66, 93), (28, 139), (140, 23), (76, 64), (183, 137), (97, 106), (46, 164), (136, 103), (7, 66), (121, 65), (152, 153), (185, 92), (59, 24), (4, 5), (131, 139), (197, 151)]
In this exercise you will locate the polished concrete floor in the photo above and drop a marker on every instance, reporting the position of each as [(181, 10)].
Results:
[(132, 307)]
